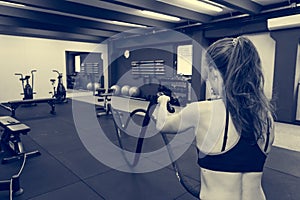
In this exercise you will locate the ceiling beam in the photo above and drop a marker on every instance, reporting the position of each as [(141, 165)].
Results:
[(29, 32), (244, 6), (237, 30), (21, 22), (59, 19), (150, 5), (243, 20), (93, 12)]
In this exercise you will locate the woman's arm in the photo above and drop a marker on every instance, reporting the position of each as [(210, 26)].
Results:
[(186, 118)]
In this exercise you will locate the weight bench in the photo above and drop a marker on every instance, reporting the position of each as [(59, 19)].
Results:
[(15, 104), (11, 139), (105, 97)]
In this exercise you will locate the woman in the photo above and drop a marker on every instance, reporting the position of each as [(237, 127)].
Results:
[(234, 132)]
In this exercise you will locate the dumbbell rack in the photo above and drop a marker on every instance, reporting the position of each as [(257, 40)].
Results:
[(148, 69)]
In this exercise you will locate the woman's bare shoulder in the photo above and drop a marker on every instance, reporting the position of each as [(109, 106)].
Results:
[(201, 107), (201, 104)]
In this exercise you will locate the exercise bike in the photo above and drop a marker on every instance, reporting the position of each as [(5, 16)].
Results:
[(59, 92), (27, 88)]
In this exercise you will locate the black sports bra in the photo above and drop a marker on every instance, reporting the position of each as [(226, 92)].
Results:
[(245, 156)]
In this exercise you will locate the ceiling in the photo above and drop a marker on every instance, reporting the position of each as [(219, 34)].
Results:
[(95, 20)]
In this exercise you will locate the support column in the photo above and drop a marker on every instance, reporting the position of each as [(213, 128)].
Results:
[(284, 81), (198, 83)]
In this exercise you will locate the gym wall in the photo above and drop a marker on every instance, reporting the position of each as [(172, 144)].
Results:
[(281, 65), (22, 54), (265, 46), (152, 47), (122, 69), (263, 41)]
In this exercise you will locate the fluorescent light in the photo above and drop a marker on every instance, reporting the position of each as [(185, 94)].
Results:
[(285, 22), (211, 2), (125, 24), (159, 16), (204, 5), (194, 5), (5, 3)]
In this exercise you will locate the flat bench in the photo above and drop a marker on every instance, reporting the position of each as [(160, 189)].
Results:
[(11, 139), (105, 97), (15, 104)]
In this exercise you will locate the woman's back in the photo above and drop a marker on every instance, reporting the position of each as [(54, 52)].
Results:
[(231, 185), (228, 170)]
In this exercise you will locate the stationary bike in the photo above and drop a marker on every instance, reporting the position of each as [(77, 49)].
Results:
[(59, 92), (27, 88)]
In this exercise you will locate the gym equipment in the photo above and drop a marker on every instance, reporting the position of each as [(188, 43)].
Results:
[(134, 91), (59, 92), (148, 69), (27, 88), (116, 89), (125, 90), (90, 71), (71, 79), (91, 86), (11, 139), (13, 184), (181, 178), (105, 97), (121, 129), (97, 86), (13, 105)]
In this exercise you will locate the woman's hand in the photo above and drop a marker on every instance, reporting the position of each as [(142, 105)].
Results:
[(160, 114), (163, 99)]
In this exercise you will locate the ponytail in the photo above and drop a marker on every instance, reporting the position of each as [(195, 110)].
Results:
[(239, 63)]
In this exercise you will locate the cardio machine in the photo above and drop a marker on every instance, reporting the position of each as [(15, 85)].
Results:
[(27, 88), (59, 92)]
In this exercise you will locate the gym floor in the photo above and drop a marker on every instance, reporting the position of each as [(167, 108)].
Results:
[(66, 170)]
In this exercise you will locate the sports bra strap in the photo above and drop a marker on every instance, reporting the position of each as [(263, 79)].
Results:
[(225, 131), (268, 137)]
